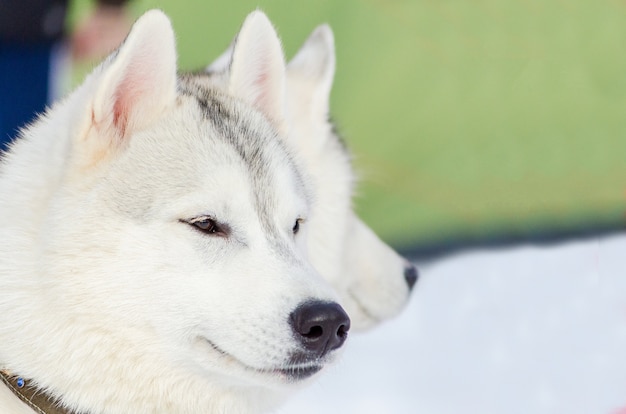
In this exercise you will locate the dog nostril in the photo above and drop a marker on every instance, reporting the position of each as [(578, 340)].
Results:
[(342, 332), (315, 332), (320, 326), (410, 275)]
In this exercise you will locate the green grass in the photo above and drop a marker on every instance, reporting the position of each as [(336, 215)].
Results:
[(466, 118)]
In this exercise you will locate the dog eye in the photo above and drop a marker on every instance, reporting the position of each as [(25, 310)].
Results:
[(296, 226), (208, 225)]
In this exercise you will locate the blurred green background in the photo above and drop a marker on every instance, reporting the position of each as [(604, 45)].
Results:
[(468, 119)]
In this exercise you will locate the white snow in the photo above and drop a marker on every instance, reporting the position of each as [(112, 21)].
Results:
[(518, 330)]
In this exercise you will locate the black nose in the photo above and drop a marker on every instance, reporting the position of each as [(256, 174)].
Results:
[(320, 326), (410, 275)]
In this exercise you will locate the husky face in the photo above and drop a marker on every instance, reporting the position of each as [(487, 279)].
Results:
[(208, 219), (167, 265), (372, 280)]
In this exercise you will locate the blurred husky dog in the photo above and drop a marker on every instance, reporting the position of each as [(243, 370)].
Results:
[(372, 280), (152, 250)]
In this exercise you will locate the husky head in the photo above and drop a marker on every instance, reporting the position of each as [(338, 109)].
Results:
[(156, 259), (372, 280)]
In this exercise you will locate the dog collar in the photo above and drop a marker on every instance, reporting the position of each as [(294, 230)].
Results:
[(36, 399)]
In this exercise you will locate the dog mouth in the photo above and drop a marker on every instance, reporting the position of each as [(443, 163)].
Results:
[(298, 368), (298, 373)]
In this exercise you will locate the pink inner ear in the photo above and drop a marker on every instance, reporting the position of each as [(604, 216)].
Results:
[(120, 114), (132, 91), (264, 89), (262, 86), (138, 82)]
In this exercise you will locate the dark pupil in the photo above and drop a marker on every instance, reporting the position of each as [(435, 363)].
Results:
[(208, 225), (296, 227)]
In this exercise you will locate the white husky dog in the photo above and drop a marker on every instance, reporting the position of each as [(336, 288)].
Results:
[(372, 280), (151, 257)]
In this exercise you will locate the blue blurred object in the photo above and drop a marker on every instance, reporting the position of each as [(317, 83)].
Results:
[(24, 81)]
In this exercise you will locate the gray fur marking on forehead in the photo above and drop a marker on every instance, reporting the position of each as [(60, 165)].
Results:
[(254, 140), (247, 131)]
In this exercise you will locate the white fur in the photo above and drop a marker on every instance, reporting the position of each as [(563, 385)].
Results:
[(109, 299), (366, 273), (258, 48)]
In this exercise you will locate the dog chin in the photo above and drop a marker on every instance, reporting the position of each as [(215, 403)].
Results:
[(292, 372)]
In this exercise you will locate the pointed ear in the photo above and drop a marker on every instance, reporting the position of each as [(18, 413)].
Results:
[(138, 82), (257, 70), (310, 73)]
